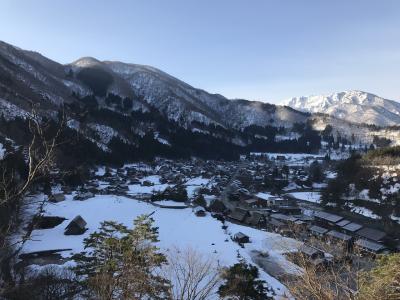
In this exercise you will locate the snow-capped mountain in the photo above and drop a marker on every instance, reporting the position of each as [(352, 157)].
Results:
[(185, 104), (110, 103), (138, 111), (353, 106)]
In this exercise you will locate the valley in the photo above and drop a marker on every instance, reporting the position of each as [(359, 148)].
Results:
[(116, 175), (271, 200)]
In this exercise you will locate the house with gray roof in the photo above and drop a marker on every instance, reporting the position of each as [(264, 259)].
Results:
[(76, 227), (343, 223), (318, 230), (352, 227), (241, 238), (327, 219), (339, 236), (371, 247), (239, 215), (371, 234)]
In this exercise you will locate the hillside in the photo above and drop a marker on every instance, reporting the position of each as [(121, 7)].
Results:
[(122, 112), (134, 110), (352, 106)]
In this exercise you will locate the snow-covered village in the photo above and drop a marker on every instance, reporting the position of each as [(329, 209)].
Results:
[(199, 150), (264, 209)]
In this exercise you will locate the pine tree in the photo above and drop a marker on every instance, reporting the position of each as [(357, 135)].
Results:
[(242, 283), (123, 263), (315, 173), (200, 201)]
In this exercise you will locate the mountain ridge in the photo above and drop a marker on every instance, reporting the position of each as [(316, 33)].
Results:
[(138, 111), (352, 105)]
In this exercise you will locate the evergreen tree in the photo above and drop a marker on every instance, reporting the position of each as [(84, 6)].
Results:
[(315, 173), (275, 172), (242, 283), (334, 193), (200, 201), (122, 263), (127, 104)]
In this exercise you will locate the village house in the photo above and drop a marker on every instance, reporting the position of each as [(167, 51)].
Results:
[(239, 215), (76, 227), (326, 219), (318, 230), (241, 238), (275, 225), (314, 255), (217, 206), (371, 234), (199, 211), (84, 195), (369, 247), (343, 238), (289, 210), (351, 227), (342, 223), (267, 200), (299, 226), (284, 218), (311, 252), (257, 220), (55, 198), (250, 203), (304, 218)]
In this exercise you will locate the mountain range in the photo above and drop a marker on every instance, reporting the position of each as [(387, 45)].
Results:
[(352, 106), (138, 111)]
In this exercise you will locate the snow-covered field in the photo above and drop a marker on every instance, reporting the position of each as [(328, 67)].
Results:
[(193, 184), (314, 197), (177, 228), (135, 189), (364, 211)]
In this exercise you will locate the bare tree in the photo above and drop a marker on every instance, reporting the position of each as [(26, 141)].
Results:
[(40, 152), (320, 282), (193, 276), (40, 156), (335, 279)]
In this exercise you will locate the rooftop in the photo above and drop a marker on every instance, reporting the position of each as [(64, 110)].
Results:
[(263, 196), (318, 229), (339, 235), (352, 227), (371, 234), (327, 216), (375, 247), (343, 223)]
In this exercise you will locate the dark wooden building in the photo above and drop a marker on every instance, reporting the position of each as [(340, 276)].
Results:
[(241, 238), (76, 227)]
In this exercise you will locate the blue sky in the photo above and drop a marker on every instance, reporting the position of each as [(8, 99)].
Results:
[(259, 49)]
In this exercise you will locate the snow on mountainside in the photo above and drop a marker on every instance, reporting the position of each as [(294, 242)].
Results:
[(353, 106), (180, 101), (111, 102), (134, 101)]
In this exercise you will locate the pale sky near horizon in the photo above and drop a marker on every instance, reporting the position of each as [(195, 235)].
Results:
[(259, 50)]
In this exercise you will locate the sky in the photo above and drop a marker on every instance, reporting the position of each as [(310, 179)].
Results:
[(256, 49)]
